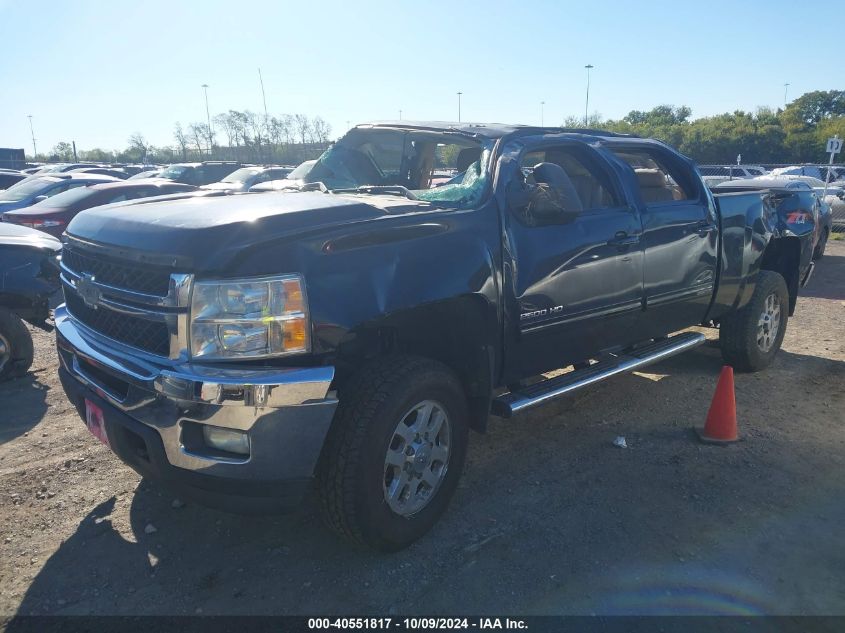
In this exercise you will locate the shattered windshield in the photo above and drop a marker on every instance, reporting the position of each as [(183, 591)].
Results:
[(446, 169)]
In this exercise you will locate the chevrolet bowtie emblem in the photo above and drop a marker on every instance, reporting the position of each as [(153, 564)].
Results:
[(89, 292)]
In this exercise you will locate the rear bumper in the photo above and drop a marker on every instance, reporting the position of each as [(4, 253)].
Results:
[(154, 415), (55, 231)]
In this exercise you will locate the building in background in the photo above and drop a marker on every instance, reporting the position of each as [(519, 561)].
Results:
[(12, 158)]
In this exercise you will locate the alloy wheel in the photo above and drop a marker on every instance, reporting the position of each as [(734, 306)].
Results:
[(769, 323), (417, 458)]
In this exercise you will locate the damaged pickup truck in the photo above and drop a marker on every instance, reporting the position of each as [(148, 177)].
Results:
[(346, 335)]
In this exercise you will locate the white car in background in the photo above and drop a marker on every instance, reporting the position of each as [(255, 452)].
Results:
[(294, 180), (833, 189), (731, 172), (819, 172)]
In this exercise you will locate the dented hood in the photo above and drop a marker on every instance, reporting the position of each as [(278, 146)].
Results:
[(206, 232)]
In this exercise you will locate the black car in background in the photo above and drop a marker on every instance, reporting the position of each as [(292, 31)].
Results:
[(199, 174), (35, 189), (53, 214), (60, 168), (30, 265), (147, 173), (245, 177), (9, 177), (117, 172)]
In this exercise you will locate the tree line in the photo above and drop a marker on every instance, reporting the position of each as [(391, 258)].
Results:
[(796, 133), (243, 136)]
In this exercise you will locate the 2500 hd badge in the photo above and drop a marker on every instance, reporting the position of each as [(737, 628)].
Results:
[(536, 314)]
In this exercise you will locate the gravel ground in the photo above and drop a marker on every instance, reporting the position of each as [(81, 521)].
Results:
[(550, 518)]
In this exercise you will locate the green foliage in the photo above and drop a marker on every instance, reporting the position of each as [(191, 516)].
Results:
[(812, 108), (96, 155), (446, 156), (63, 151), (796, 134)]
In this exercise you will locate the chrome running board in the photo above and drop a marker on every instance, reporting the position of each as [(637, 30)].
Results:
[(809, 274), (508, 404)]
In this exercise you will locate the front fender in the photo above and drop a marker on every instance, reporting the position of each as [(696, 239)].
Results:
[(421, 283)]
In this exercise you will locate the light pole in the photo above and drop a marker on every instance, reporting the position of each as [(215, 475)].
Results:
[(459, 106), (542, 118), (400, 114), (785, 92), (266, 116), (32, 132), (208, 117), (587, 105)]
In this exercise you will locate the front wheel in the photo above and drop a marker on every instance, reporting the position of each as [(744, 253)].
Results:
[(15, 346), (395, 452), (751, 337)]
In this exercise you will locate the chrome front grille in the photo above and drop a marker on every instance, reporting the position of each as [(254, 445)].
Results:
[(146, 279), (147, 335), (135, 304)]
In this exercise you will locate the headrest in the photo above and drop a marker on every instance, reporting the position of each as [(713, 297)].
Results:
[(562, 188), (551, 174), (467, 157), (650, 177)]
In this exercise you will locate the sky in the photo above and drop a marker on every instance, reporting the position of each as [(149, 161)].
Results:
[(96, 72)]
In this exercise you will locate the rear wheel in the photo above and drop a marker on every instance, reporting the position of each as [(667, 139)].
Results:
[(395, 452), (15, 346), (751, 337)]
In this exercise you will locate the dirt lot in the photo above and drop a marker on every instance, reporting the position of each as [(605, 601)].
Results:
[(550, 517)]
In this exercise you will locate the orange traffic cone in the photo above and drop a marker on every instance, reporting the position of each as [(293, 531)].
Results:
[(720, 427)]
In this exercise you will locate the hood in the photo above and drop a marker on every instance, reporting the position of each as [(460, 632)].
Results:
[(204, 233), (15, 235), (225, 186)]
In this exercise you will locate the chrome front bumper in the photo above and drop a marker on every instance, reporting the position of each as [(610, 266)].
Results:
[(286, 412)]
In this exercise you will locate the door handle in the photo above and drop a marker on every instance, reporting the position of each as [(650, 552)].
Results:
[(621, 238), (704, 227)]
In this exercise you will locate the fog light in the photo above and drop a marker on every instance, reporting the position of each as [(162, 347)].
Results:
[(227, 440)]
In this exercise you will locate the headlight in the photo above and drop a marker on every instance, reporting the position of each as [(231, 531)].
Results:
[(249, 318)]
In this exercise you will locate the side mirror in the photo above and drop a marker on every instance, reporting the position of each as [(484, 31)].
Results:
[(39, 199)]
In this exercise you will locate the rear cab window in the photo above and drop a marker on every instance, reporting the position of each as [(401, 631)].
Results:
[(660, 179)]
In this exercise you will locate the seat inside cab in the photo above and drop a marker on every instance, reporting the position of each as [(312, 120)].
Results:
[(654, 186)]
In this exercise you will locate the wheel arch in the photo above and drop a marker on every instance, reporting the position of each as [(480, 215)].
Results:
[(459, 333), (783, 256)]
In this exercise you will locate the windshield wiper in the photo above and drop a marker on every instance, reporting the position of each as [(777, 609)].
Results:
[(396, 190)]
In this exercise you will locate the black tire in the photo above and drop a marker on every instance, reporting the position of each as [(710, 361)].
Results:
[(15, 346), (351, 473), (818, 253), (738, 332)]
